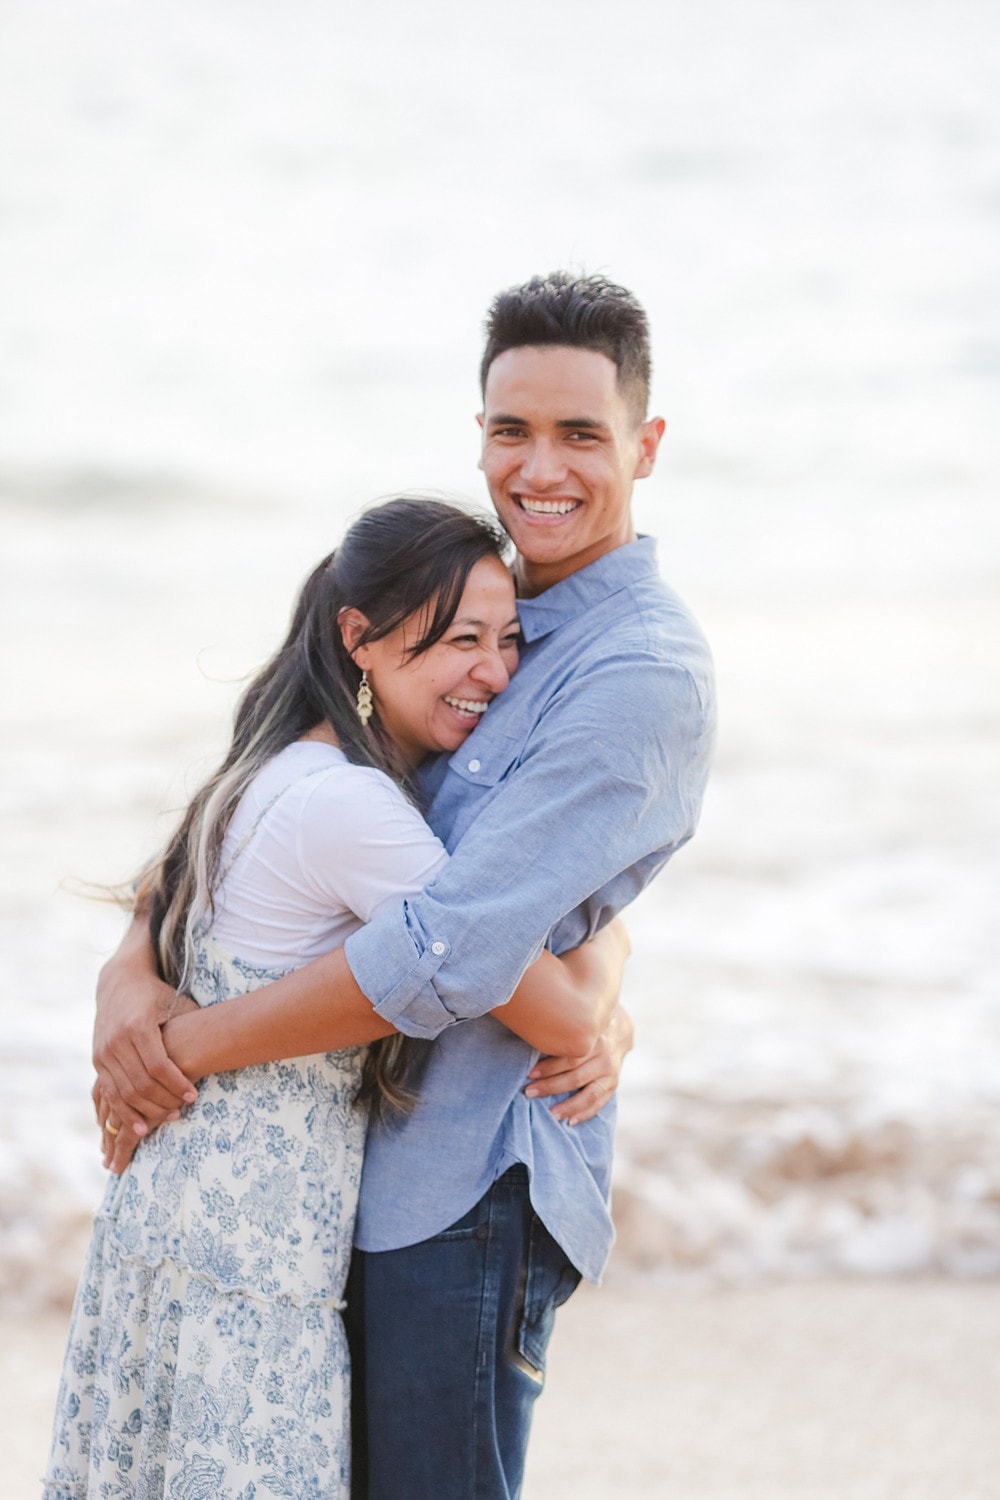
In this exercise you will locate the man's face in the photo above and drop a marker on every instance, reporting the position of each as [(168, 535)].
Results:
[(560, 453)]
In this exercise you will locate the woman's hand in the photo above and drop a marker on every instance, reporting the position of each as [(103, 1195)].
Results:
[(590, 1081)]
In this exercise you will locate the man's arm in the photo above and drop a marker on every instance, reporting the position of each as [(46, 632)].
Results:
[(278, 1020), (140, 1082), (585, 804), (562, 1006), (588, 1082), (608, 786)]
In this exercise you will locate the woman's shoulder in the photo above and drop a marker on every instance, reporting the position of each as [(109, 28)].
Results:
[(313, 784), (348, 830), (323, 769), (308, 774), (359, 837), (306, 765)]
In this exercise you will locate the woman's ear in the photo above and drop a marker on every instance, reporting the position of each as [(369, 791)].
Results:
[(352, 625)]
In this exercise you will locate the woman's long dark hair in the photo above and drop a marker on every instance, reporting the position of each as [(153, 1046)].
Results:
[(405, 556)]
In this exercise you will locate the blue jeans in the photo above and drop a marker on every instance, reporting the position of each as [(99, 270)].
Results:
[(448, 1341)]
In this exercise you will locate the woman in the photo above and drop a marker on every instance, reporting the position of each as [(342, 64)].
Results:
[(207, 1355)]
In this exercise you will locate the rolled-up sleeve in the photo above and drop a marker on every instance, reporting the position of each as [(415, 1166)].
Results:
[(609, 784)]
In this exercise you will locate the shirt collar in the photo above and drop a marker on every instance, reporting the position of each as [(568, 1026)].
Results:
[(616, 570)]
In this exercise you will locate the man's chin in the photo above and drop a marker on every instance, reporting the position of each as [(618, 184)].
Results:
[(550, 548), (539, 541)]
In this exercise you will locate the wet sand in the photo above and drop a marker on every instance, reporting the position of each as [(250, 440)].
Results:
[(811, 1391), (814, 1391)]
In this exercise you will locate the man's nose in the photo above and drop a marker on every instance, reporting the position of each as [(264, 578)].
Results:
[(542, 465)]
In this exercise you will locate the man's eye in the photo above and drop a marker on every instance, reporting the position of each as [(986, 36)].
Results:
[(508, 432), (514, 639)]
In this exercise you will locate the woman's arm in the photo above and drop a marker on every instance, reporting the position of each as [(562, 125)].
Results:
[(563, 1006)]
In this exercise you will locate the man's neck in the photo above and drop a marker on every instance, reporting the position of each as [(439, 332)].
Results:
[(532, 579)]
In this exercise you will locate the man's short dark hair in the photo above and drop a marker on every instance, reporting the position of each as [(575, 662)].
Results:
[(580, 312)]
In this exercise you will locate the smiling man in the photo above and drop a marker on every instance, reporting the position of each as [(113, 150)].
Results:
[(564, 437), (480, 1211)]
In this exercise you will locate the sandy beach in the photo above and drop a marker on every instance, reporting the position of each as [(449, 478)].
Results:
[(810, 1391)]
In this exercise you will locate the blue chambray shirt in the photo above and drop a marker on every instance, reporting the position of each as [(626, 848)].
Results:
[(584, 777)]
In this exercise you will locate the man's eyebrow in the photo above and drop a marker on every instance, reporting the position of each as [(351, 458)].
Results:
[(577, 422), (507, 419)]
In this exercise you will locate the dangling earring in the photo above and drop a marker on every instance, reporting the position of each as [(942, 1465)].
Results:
[(364, 700)]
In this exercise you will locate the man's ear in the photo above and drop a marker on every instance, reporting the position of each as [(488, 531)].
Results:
[(650, 434), (352, 624)]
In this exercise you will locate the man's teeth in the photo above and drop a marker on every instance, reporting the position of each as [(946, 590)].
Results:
[(469, 705), (548, 507)]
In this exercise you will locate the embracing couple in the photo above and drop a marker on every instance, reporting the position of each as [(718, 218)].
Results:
[(435, 787)]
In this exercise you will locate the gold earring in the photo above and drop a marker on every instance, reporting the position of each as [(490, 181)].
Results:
[(364, 700)]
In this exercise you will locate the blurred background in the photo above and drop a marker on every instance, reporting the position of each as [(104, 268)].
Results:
[(245, 252)]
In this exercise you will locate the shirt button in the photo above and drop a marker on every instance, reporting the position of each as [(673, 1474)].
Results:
[(437, 947), (475, 765)]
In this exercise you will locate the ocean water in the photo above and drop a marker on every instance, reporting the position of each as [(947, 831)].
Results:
[(245, 254)]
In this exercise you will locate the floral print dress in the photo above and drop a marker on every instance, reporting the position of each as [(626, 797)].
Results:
[(207, 1358)]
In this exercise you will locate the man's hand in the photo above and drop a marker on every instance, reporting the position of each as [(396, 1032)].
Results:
[(137, 1084), (118, 1144), (590, 1081)]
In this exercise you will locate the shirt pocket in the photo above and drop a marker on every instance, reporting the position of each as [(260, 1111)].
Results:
[(487, 758)]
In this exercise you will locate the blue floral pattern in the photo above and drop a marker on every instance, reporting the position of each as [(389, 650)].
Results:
[(207, 1358)]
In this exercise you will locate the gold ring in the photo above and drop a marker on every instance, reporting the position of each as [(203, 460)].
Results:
[(112, 1129)]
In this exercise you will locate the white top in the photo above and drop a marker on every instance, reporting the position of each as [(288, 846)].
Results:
[(339, 843)]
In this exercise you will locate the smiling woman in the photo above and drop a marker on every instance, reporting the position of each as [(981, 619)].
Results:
[(432, 698), (207, 1351)]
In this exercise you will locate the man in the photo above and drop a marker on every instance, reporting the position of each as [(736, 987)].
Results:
[(480, 1212)]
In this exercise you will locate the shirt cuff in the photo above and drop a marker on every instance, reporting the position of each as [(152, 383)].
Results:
[(395, 967)]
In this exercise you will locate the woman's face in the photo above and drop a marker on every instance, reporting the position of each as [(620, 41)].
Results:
[(434, 701)]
